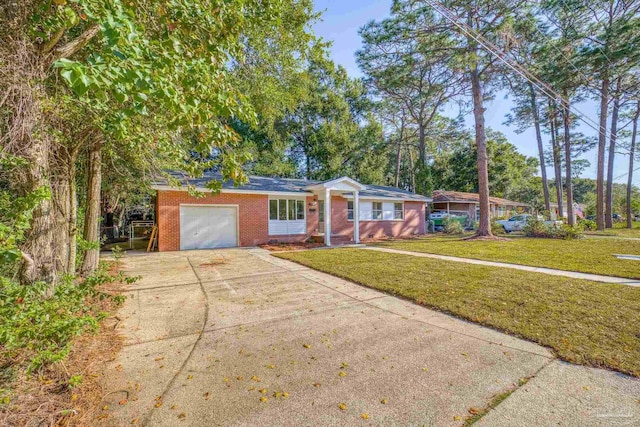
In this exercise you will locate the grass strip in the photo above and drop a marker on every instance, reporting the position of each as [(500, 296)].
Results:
[(592, 255), (584, 322)]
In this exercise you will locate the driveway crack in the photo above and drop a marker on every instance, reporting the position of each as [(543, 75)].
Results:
[(146, 417)]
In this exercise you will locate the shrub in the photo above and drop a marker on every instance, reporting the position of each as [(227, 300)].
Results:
[(537, 228), (588, 225), (452, 226), (38, 323), (568, 232)]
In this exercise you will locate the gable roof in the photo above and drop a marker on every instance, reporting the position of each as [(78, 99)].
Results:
[(268, 185), (440, 196)]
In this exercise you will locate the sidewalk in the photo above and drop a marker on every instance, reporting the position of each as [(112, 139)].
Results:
[(551, 271)]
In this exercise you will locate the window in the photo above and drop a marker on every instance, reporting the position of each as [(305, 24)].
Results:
[(321, 210), (286, 210), (398, 211), (376, 211), (350, 210)]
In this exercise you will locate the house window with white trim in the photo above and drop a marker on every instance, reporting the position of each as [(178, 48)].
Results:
[(350, 210), (286, 210), (287, 217), (376, 210), (398, 211)]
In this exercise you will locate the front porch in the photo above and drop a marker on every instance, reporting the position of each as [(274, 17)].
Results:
[(346, 188)]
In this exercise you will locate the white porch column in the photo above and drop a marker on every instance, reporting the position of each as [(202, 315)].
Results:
[(356, 217), (327, 217)]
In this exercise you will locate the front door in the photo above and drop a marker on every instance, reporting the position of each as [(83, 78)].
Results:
[(321, 216)]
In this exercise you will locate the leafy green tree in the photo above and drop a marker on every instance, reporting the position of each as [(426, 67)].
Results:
[(164, 67), (412, 69)]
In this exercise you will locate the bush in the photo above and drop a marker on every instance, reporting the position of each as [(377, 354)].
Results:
[(538, 228), (38, 324), (452, 226), (588, 225), (568, 232)]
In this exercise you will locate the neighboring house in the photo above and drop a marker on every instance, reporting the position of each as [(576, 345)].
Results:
[(578, 211), (283, 210), (468, 204)]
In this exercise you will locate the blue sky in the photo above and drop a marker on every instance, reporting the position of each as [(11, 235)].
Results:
[(340, 23)]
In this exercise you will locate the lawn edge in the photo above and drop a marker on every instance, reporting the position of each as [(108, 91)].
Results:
[(556, 355)]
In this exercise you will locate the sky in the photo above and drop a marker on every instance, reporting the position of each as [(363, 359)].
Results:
[(340, 23)]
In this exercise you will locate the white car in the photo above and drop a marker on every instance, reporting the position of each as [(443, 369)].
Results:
[(517, 222)]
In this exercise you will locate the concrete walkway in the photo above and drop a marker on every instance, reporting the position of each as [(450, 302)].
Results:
[(238, 338), (551, 271)]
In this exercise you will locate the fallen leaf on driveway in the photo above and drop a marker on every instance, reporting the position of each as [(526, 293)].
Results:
[(263, 390), (474, 411), (342, 406), (135, 421), (159, 404), (122, 402), (383, 401), (364, 416), (263, 399), (342, 374), (206, 395), (457, 418), (256, 379), (306, 345), (317, 384), (182, 415)]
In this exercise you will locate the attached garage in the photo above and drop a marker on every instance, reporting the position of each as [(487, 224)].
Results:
[(208, 226)]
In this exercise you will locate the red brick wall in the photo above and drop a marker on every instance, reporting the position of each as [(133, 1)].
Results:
[(254, 222), (413, 223), (253, 216)]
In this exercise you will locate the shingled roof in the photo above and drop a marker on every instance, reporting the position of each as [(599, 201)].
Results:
[(440, 196), (285, 185)]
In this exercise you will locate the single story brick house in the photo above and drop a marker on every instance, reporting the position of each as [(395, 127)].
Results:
[(284, 210), (468, 204)]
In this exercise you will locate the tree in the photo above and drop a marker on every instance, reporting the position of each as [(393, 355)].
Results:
[(410, 66), (170, 64), (510, 173), (632, 153)]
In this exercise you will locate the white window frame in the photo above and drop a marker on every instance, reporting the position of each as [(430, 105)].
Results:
[(396, 210), (287, 223), (382, 211), (287, 200)]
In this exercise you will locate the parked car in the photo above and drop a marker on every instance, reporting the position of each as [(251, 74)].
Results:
[(517, 222)]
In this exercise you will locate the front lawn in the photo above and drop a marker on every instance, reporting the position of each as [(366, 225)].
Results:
[(593, 255), (583, 322), (620, 230)]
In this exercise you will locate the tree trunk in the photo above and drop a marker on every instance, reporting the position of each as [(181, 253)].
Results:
[(543, 168), (73, 214), (608, 218), (92, 215), (412, 170), (566, 119), (602, 141), (39, 248), (484, 225), (632, 152), (557, 169), (398, 162), (399, 154), (60, 187)]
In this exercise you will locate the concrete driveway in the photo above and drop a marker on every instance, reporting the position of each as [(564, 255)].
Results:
[(237, 337)]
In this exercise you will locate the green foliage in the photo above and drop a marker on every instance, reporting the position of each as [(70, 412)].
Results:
[(452, 225), (15, 213), (510, 172), (538, 228), (39, 323), (588, 225)]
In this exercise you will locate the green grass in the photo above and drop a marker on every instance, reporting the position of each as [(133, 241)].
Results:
[(620, 230), (593, 255), (583, 322)]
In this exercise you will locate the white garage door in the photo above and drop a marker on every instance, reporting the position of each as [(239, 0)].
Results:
[(207, 227)]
